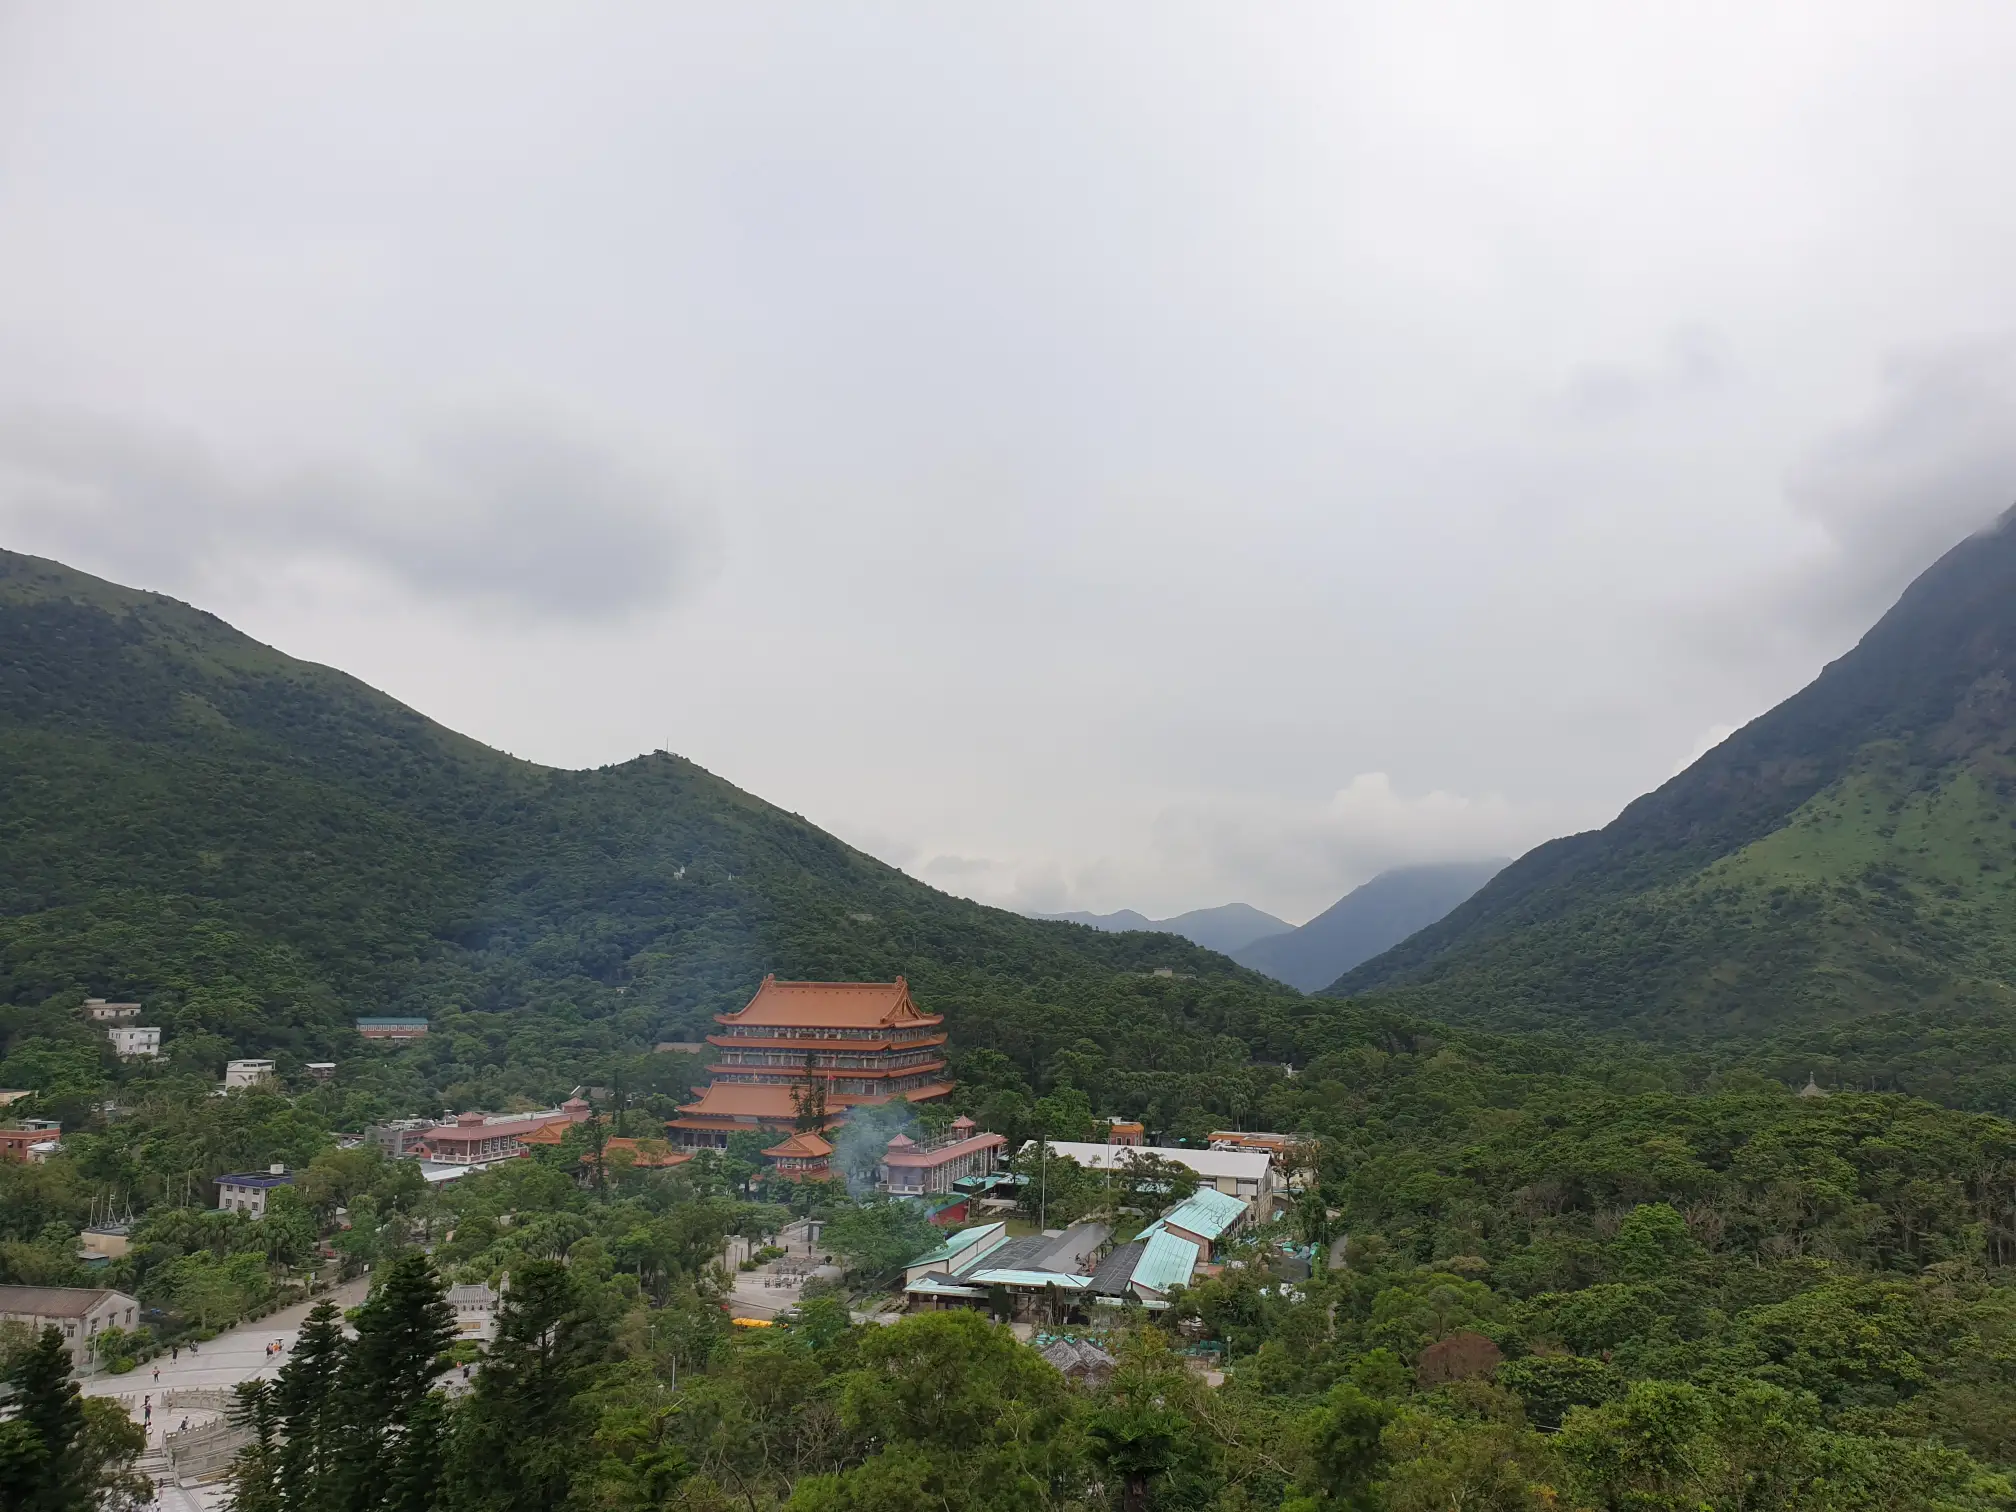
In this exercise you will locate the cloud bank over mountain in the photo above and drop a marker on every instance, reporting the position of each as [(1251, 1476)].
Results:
[(1093, 458)]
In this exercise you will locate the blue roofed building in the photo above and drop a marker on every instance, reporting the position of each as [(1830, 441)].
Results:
[(1167, 1262), (246, 1191), (1074, 1271), (1207, 1218)]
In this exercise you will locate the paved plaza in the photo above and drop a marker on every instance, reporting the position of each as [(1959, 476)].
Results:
[(239, 1354)]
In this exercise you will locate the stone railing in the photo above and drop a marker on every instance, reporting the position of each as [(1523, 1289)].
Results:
[(202, 1453), (192, 1398)]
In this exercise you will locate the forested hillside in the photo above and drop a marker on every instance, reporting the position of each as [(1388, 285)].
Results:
[(1835, 884), (261, 849)]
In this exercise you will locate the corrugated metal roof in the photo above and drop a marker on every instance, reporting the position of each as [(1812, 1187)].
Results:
[(1025, 1253), (1207, 1211), (965, 1239), (1117, 1269), (1167, 1261), (932, 1286), (1030, 1278), (1213, 1165)]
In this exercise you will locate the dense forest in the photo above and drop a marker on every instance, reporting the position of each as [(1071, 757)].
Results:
[(1532, 1289)]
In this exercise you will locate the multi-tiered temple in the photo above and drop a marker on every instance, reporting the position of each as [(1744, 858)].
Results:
[(808, 1052)]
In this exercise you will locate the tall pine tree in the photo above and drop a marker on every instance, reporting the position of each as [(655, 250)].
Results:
[(255, 1473), (391, 1433), (43, 1464), (310, 1408), (526, 1432)]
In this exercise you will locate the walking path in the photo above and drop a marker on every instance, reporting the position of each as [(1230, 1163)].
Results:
[(238, 1354)]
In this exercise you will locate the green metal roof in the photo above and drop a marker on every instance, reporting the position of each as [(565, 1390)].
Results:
[(1168, 1261), (1208, 1212), (959, 1243), (1029, 1278), (930, 1288)]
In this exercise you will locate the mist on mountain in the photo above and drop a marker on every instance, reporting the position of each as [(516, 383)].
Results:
[(1227, 929), (1366, 921)]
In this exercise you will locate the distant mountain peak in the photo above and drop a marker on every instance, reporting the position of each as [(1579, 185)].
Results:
[(1366, 921), (1226, 929)]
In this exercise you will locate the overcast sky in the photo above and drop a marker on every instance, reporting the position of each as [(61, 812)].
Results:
[(1133, 455)]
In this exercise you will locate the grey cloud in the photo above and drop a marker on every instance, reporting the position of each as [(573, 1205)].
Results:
[(1311, 852), (1891, 493), (508, 513), (1116, 450), (1692, 362)]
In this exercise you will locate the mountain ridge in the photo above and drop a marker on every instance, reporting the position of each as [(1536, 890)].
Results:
[(1840, 870), (1369, 919), (261, 849), (1226, 929)]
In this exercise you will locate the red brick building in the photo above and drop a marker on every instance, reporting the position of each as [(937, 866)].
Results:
[(910, 1169), (16, 1143), (854, 1044), (476, 1140)]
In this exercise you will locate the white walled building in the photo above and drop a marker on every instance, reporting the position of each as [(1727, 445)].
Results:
[(475, 1311), (247, 1191), (78, 1313), (247, 1073), (1247, 1174), (129, 1041), (101, 1012)]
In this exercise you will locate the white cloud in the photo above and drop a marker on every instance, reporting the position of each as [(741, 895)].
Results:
[(1935, 461)]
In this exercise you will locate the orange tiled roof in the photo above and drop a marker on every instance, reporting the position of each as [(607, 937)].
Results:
[(793, 1074), (926, 1159), (805, 1146), (845, 1100), (831, 1005), (907, 1041), (549, 1135), (772, 1101), (474, 1133), (644, 1160), (744, 1100)]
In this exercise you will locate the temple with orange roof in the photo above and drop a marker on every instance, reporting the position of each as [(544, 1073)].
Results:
[(856, 1043), (802, 1157)]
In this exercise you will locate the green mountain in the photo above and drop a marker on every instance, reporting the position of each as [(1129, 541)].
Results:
[(1834, 884), (261, 849)]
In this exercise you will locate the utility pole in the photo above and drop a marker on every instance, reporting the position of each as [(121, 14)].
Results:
[(1042, 1177)]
